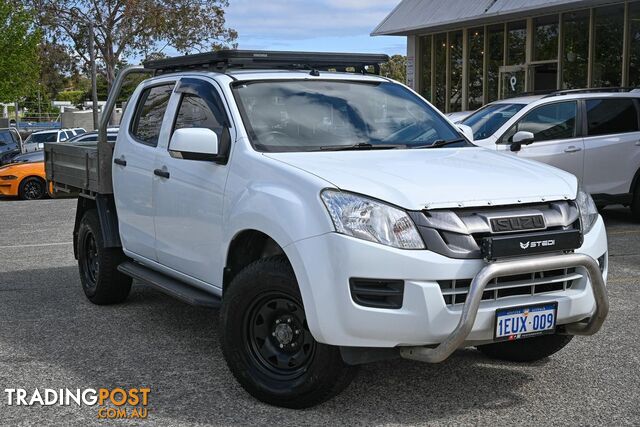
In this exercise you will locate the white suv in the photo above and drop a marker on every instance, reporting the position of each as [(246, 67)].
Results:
[(594, 135), (36, 140)]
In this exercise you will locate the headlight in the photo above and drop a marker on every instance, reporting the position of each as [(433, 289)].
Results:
[(588, 210), (371, 220)]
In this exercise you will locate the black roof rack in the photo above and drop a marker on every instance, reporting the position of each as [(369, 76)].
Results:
[(223, 60), (591, 90)]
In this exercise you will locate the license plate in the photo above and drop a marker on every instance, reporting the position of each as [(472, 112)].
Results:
[(522, 322)]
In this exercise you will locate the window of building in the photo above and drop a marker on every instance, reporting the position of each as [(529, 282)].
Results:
[(609, 33), (516, 42), (495, 59), (150, 112), (575, 55), (611, 116), (425, 67), (545, 38), (548, 122), (475, 42), (634, 44), (455, 66), (440, 72)]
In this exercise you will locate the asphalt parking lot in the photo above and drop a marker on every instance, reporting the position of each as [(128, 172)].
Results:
[(52, 337)]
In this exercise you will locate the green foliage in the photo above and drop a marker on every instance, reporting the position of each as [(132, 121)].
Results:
[(395, 68), (134, 28), (19, 66), (74, 96)]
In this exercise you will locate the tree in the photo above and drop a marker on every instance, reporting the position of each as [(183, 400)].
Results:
[(395, 68), (57, 65), (133, 28), (19, 67)]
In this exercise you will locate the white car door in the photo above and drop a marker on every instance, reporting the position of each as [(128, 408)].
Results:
[(133, 164), (557, 141), (612, 145), (189, 193)]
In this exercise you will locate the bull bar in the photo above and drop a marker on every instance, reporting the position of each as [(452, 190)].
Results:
[(505, 268)]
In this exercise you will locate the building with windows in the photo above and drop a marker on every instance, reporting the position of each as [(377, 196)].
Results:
[(463, 54)]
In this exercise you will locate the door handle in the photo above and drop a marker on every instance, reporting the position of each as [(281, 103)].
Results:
[(161, 173), (638, 143), (572, 149), (121, 162)]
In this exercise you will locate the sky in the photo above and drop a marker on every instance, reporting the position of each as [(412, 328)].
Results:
[(314, 25)]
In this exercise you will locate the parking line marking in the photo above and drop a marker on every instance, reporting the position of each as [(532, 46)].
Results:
[(36, 245)]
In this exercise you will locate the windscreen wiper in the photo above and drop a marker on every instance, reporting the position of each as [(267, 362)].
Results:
[(361, 146), (441, 143)]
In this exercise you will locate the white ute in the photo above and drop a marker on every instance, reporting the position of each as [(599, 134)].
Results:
[(337, 218)]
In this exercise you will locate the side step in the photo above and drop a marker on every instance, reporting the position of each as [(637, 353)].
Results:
[(169, 285)]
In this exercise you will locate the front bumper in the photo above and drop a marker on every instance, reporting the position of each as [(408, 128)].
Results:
[(324, 264), (8, 188)]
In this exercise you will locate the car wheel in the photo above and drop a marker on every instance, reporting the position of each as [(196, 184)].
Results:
[(267, 344), (527, 349), (101, 281), (635, 204), (32, 188)]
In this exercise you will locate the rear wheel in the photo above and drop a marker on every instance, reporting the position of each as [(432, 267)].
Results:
[(635, 204), (32, 188), (527, 349), (101, 281), (267, 344)]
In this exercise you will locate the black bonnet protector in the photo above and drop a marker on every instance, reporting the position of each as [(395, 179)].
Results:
[(515, 245)]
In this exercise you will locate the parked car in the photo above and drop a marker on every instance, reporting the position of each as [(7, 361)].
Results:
[(593, 135), (24, 177), (93, 137), (10, 142), (458, 116), (36, 140), (337, 218)]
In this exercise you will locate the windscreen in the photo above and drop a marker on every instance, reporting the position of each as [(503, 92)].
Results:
[(303, 115), (486, 121)]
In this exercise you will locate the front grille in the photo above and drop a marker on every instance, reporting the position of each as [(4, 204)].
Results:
[(455, 291), (459, 233)]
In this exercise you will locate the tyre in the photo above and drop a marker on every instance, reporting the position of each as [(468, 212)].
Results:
[(635, 204), (266, 341), (101, 281), (32, 188), (527, 349)]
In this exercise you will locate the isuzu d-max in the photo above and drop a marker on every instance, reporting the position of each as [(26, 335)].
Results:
[(335, 215)]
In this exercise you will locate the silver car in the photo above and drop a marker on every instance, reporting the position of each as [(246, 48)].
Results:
[(595, 135)]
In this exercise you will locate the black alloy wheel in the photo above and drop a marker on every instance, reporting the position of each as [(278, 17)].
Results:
[(32, 189)]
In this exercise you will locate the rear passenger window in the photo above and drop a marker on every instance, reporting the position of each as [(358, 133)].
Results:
[(611, 116), (147, 120)]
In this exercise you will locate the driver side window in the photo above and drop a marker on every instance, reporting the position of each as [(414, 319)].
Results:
[(548, 122)]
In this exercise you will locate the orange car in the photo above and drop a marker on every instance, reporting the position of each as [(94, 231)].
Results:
[(24, 177)]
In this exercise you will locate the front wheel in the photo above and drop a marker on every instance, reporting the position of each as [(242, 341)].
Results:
[(32, 188), (267, 344), (102, 283), (527, 349), (635, 204)]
